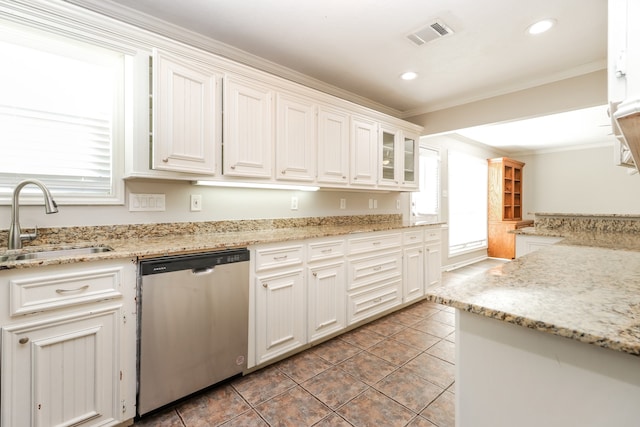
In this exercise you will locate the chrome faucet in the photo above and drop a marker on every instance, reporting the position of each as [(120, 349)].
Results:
[(15, 235)]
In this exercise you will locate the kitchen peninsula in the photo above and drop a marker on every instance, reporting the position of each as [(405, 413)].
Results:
[(552, 338)]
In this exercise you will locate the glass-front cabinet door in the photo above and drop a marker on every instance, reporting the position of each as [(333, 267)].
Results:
[(410, 164), (398, 158), (389, 157)]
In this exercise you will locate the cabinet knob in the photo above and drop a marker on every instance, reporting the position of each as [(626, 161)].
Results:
[(265, 285), (315, 274), (23, 340), (232, 166), (284, 171), (344, 177), (165, 160)]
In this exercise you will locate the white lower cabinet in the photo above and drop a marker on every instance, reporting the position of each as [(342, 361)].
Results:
[(70, 362), (432, 256), (413, 266), (527, 243)]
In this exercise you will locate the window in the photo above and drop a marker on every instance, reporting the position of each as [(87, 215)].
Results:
[(425, 204), (467, 202), (61, 117)]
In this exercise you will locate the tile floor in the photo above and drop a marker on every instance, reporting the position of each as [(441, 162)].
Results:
[(395, 371)]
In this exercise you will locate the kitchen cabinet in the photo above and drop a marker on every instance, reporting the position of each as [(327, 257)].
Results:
[(326, 300), (398, 158), (279, 323), (333, 146), (413, 265), (374, 277), (248, 128), (433, 256), (364, 152), (69, 344), (295, 138), (186, 118), (504, 205)]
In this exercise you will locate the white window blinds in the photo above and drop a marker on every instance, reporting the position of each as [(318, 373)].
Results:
[(59, 108), (426, 202)]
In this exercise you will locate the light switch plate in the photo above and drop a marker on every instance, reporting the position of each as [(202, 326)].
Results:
[(146, 202)]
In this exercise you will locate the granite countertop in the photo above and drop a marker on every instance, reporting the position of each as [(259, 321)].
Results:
[(575, 289), (166, 241)]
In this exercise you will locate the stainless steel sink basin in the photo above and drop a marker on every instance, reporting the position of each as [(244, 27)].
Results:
[(54, 253)]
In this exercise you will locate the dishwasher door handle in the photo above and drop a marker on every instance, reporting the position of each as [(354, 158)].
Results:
[(202, 271)]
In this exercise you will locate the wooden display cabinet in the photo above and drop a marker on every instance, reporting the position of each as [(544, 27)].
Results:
[(505, 206)]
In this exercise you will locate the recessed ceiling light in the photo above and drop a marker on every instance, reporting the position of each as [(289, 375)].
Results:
[(541, 26), (409, 75)]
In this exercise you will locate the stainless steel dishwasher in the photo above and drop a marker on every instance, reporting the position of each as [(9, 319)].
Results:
[(193, 316)]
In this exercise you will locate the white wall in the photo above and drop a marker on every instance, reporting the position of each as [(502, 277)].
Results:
[(218, 204), (583, 181)]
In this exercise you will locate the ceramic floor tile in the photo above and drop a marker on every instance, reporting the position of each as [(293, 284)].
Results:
[(442, 411), (384, 326), (415, 338), (445, 317), (433, 369), (405, 318), (167, 418), (444, 350), (303, 366), (333, 420), (394, 352), (247, 419), (367, 367), (262, 385), (212, 407), (362, 338), (295, 408), (373, 408), (420, 422), (422, 309), (451, 337), (434, 327), (405, 387), (334, 387), (335, 351)]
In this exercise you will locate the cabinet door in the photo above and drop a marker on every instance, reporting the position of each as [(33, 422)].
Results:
[(364, 152), (295, 139), (414, 270), (248, 132), (333, 146), (62, 372), (433, 263), (326, 300), (185, 115), (411, 161), (280, 314), (390, 159)]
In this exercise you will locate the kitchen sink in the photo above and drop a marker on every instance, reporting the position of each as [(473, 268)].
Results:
[(54, 253)]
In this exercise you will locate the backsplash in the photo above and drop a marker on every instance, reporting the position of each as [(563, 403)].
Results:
[(59, 235), (561, 223)]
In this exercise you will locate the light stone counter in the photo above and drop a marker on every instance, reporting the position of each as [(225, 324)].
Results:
[(152, 240)]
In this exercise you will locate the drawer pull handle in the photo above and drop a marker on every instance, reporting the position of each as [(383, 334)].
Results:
[(23, 340), (376, 243), (280, 258), (377, 268), (66, 291), (326, 251), (377, 299)]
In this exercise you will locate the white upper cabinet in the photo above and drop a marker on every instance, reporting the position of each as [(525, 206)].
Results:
[(410, 157), (295, 138), (185, 115), (398, 158), (364, 151), (248, 128), (333, 146)]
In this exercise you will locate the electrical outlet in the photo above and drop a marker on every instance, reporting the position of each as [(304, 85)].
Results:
[(375, 203), (397, 204), (370, 203), (343, 203), (196, 203), (294, 203)]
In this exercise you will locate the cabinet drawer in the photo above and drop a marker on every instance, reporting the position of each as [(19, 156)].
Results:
[(325, 250), (33, 293), (268, 258), (431, 234), (375, 299), (364, 271), (412, 237), (374, 243)]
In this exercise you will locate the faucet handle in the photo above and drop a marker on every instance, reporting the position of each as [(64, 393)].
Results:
[(30, 236)]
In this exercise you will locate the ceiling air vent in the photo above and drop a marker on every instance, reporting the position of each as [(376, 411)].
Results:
[(433, 31)]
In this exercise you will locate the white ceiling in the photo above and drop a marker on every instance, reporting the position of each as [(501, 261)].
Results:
[(361, 46)]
